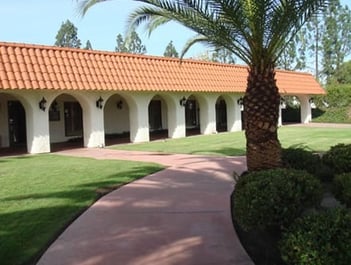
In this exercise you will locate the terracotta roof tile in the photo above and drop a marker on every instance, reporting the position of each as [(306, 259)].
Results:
[(26, 66)]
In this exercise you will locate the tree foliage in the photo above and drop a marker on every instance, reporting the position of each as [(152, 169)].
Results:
[(88, 45), (322, 44), (170, 51), (131, 44), (342, 75), (67, 36)]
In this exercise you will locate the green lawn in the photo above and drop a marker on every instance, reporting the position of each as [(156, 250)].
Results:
[(232, 144), (40, 195)]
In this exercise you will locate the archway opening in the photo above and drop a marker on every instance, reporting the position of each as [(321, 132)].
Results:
[(13, 131), (116, 121), (158, 123), (221, 115), (192, 116), (291, 110), (65, 123)]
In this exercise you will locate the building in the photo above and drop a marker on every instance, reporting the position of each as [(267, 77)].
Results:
[(50, 95)]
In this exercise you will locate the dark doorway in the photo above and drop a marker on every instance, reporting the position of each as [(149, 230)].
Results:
[(155, 115), (17, 124), (221, 116), (73, 119)]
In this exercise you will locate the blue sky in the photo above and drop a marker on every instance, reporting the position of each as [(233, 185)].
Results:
[(38, 21)]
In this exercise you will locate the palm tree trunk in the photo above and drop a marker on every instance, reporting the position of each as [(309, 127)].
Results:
[(261, 113)]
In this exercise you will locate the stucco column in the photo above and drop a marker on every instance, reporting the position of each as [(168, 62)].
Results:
[(280, 118), (93, 124), (139, 119), (176, 120), (37, 123), (234, 115), (306, 113), (208, 114)]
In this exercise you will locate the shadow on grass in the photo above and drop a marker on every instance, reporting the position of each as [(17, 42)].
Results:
[(26, 234), (226, 151)]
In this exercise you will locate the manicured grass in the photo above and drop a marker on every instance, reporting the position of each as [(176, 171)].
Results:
[(40, 195), (233, 144)]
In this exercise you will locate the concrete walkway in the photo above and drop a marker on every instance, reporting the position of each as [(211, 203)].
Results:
[(179, 216)]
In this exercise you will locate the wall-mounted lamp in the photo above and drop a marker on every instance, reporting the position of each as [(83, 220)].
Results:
[(240, 102), (312, 104), (119, 104), (282, 103), (99, 103), (295, 102), (182, 101), (42, 104)]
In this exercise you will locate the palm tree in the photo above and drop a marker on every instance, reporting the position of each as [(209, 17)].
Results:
[(254, 30)]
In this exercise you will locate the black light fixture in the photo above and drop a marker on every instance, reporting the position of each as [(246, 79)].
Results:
[(282, 103), (119, 104), (240, 102), (99, 102), (42, 104), (182, 101), (312, 104)]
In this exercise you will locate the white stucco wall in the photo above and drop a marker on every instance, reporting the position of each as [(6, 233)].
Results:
[(133, 116), (116, 120), (4, 125), (306, 113)]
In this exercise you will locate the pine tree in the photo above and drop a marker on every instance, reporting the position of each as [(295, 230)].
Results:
[(88, 45), (132, 44), (67, 36), (170, 51)]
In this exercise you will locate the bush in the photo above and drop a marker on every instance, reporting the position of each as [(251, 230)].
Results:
[(319, 239), (342, 188), (299, 158), (338, 158), (273, 198)]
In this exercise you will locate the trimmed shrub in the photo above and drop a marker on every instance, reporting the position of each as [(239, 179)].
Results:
[(299, 158), (338, 158), (272, 199), (342, 188), (319, 239)]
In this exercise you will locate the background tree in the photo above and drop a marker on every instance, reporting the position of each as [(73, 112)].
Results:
[(336, 40), (342, 75), (88, 45), (170, 51), (256, 32), (222, 55), (67, 36), (131, 44)]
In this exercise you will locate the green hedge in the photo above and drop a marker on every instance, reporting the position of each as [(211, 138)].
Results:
[(319, 239), (338, 158), (342, 188), (273, 198)]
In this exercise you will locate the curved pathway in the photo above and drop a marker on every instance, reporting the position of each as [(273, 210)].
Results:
[(180, 215)]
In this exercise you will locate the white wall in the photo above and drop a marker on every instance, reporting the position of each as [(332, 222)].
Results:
[(116, 120)]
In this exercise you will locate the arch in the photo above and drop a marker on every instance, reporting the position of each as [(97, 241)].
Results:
[(158, 117), (192, 115), (116, 120), (221, 115), (13, 123), (66, 124), (291, 113)]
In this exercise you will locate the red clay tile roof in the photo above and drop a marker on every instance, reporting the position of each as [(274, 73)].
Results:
[(26, 66)]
